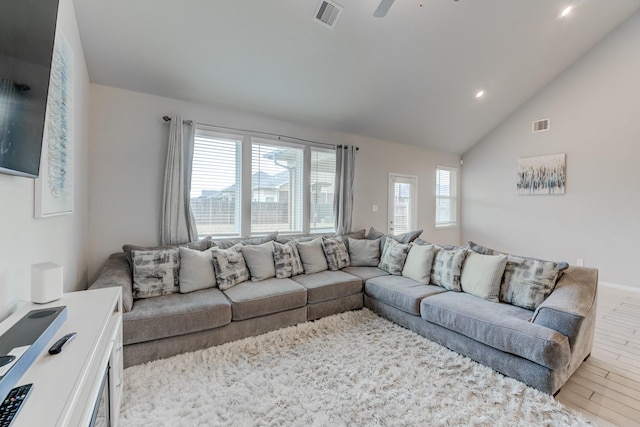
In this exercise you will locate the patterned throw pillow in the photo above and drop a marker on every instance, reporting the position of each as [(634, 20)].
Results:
[(447, 268), (229, 266), (336, 252), (393, 257), (527, 282), (155, 272), (287, 260)]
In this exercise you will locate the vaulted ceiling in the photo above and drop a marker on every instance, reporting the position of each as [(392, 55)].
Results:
[(410, 77)]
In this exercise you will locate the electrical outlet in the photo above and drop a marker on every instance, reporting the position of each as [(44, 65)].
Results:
[(374, 208), (580, 262)]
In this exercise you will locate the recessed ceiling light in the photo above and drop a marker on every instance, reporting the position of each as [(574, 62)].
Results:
[(565, 11), (480, 94)]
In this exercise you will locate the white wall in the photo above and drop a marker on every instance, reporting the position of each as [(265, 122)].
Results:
[(594, 109), (25, 240), (128, 152)]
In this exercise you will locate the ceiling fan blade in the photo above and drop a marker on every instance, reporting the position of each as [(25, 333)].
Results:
[(383, 8)]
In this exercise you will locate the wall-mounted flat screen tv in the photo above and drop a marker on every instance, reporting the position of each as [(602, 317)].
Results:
[(27, 33)]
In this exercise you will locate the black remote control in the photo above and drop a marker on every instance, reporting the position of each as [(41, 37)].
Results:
[(61, 343), (11, 404)]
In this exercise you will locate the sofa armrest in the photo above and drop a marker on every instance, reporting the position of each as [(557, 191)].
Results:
[(116, 272), (572, 301)]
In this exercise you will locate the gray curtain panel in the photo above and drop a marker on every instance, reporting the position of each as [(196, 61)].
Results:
[(177, 223), (345, 171)]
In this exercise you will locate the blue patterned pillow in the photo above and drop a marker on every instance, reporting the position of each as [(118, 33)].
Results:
[(393, 257), (336, 253), (155, 272), (230, 267), (447, 268)]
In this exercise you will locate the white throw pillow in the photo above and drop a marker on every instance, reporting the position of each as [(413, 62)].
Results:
[(259, 259), (482, 275), (312, 256), (418, 264), (196, 270)]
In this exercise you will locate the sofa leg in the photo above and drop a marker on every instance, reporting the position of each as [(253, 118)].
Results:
[(556, 393), (587, 358)]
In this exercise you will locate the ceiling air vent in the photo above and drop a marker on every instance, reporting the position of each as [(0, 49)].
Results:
[(541, 125), (328, 13)]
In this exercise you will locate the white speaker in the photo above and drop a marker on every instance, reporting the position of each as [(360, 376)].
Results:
[(46, 282)]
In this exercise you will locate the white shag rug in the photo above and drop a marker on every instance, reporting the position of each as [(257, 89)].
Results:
[(353, 368)]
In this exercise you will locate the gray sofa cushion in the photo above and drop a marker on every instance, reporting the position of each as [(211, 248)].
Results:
[(365, 273), (251, 299), (328, 285), (501, 326), (116, 272), (175, 314), (400, 292)]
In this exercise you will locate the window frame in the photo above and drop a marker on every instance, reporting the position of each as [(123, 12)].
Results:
[(246, 166), (453, 199)]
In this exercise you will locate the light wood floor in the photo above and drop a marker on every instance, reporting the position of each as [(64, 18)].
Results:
[(606, 389)]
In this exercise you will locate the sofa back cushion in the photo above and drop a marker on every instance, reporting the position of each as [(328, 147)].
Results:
[(259, 259), (482, 275), (196, 270), (155, 272)]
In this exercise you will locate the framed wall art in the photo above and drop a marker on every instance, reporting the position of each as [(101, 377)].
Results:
[(542, 174)]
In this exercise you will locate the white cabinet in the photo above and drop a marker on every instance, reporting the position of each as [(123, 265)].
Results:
[(67, 387)]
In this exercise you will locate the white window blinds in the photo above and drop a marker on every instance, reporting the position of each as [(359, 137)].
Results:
[(446, 197), (276, 187), (323, 177), (215, 183)]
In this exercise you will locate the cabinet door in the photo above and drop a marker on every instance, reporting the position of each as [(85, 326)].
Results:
[(116, 372)]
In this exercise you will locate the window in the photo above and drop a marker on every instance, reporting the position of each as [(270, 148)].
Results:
[(246, 185), (276, 188), (323, 177), (215, 183), (446, 197), (402, 203)]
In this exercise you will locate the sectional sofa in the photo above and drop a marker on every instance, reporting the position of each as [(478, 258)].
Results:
[(540, 344)]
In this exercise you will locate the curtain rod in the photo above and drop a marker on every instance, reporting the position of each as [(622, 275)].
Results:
[(190, 123)]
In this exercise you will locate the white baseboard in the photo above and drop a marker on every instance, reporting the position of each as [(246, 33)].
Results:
[(621, 287)]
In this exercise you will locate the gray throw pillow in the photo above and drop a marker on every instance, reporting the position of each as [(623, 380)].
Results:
[(287, 260), (482, 275), (155, 272), (230, 267), (336, 253), (228, 243), (447, 268), (364, 253), (393, 257), (407, 237), (196, 270), (528, 282), (312, 256), (488, 251), (418, 263), (259, 259)]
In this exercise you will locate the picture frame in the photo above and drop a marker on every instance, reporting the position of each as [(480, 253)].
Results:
[(542, 174), (54, 186)]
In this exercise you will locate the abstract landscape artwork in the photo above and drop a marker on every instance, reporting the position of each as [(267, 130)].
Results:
[(542, 174), (54, 187)]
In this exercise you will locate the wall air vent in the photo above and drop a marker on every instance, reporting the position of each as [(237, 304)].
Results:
[(328, 13), (541, 125)]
